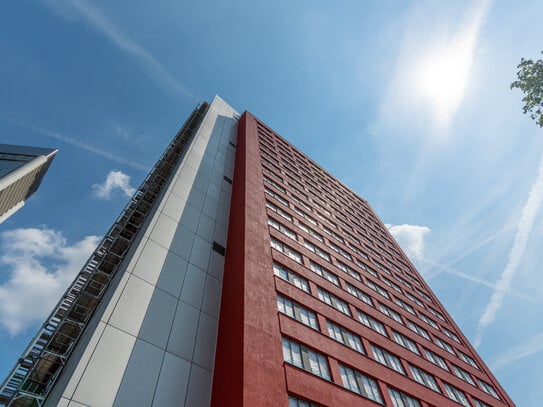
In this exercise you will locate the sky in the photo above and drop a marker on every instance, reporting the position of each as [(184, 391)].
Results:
[(406, 102)]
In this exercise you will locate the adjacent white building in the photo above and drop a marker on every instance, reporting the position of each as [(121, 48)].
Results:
[(22, 169)]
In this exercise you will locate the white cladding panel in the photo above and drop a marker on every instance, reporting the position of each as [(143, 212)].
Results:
[(154, 343)]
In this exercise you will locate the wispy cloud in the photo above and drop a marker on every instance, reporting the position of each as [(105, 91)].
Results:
[(114, 180), (410, 238), (40, 265), (124, 133), (96, 19), (477, 280), (524, 228), (74, 142), (472, 247), (531, 347)]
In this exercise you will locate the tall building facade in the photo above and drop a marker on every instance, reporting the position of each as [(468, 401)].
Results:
[(243, 274), (22, 169)]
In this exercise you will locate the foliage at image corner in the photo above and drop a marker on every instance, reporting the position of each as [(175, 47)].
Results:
[(530, 82)]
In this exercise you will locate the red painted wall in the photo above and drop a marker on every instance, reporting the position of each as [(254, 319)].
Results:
[(249, 358)]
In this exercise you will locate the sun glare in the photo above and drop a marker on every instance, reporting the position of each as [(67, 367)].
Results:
[(441, 79)]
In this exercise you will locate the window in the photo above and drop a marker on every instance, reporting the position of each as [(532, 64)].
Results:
[(436, 313), (456, 394), (444, 345), (424, 378), (276, 196), (281, 228), (429, 321), (400, 399), (487, 388), (296, 402), (278, 210), (343, 267), (404, 305), (405, 342), (388, 359), (305, 216), (479, 403), (274, 184), (377, 288), (311, 232), (468, 360), (359, 294), (394, 286), (371, 323), (333, 301), (424, 295), (272, 174), (298, 312), (301, 356), (382, 268), (344, 336), (354, 239), (401, 280), (371, 271), (321, 271), (339, 250), (290, 276), (415, 300), (315, 249), (418, 330), (287, 250), (355, 381), (452, 335), (390, 313), (267, 163), (462, 374), (435, 359)]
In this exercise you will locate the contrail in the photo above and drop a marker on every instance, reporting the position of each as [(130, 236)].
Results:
[(74, 142), (524, 228)]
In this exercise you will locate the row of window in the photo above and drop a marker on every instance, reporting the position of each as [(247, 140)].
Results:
[(315, 177), (353, 341), (303, 357), (315, 249), (342, 306), (297, 185), (342, 266), (350, 339)]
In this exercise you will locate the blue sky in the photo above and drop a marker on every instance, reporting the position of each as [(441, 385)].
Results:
[(407, 102)]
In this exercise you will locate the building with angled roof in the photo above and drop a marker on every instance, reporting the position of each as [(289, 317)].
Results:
[(22, 169)]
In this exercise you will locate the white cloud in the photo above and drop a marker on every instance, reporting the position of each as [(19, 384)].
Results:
[(114, 180), (40, 265), (70, 9), (524, 228), (410, 238), (531, 347)]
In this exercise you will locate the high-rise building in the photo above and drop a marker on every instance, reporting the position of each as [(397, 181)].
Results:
[(22, 169), (243, 274)]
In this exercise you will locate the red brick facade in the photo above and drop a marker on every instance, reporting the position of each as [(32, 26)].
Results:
[(350, 306)]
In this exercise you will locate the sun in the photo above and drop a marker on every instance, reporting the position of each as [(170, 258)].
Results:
[(441, 76)]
